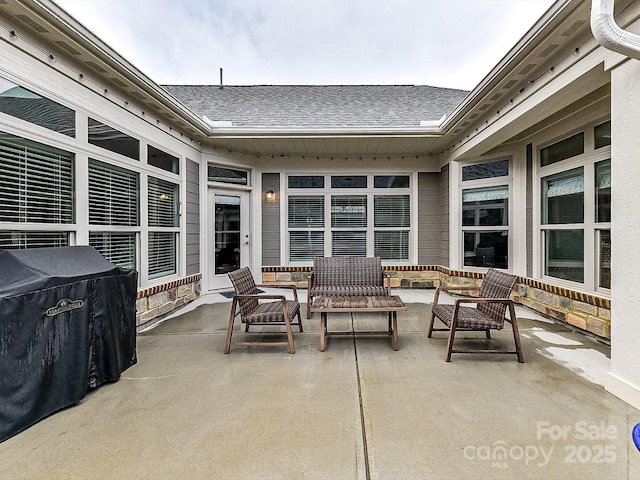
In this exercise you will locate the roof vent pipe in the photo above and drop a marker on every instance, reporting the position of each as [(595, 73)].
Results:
[(221, 85), (609, 34)]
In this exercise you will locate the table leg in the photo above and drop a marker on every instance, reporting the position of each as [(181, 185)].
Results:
[(323, 328), (396, 345)]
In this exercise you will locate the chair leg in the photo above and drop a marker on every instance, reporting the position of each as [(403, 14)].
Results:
[(309, 299), (433, 317), (452, 333), (299, 321), (287, 324), (516, 333), (488, 333), (246, 326), (232, 315)]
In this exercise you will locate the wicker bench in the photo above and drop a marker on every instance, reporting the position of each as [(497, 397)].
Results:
[(335, 276)]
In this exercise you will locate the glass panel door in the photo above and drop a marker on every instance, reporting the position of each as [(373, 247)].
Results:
[(227, 234), (229, 239)]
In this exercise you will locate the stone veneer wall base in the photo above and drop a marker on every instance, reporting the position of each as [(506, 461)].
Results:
[(159, 300), (582, 311)]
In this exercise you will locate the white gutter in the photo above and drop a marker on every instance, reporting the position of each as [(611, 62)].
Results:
[(609, 34)]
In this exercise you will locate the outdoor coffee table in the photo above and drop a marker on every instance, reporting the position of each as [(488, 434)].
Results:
[(359, 303)]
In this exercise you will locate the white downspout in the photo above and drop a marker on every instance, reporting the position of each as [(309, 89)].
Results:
[(609, 34)]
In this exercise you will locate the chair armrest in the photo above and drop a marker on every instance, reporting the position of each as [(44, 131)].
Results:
[(260, 296), (290, 286), (452, 287), (482, 300), (386, 281), (476, 300)]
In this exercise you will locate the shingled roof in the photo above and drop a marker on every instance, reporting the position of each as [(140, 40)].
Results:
[(310, 106)]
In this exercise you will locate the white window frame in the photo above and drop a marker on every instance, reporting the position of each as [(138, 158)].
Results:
[(507, 181), (369, 192), (587, 162)]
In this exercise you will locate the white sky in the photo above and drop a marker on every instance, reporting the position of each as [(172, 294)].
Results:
[(444, 43)]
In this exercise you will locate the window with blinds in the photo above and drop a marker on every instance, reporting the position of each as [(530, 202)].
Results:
[(118, 248), (162, 254), (303, 246), (15, 240), (113, 195), (36, 182), (391, 245), (306, 211), (356, 215), (163, 203), (391, 211), (349, 211), (349, 244), (163, 212)]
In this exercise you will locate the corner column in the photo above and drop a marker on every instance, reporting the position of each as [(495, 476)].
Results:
[(624, 378)]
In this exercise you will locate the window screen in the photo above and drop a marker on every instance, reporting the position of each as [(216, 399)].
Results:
[(391, 211), (305, 245), (118, 248), (306, 211), (36, 182), (163, 203), (349, 244), (349, 211), (113, 195), (162, 254), (13, 240), (392, 245)]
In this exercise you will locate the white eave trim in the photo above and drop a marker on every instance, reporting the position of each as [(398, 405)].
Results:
[(274, 132)]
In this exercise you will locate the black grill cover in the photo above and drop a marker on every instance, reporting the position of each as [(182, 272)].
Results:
[(67, 324)]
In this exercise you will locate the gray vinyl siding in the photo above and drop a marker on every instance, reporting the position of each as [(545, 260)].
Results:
[(429, 219), (193, 217), (444, 216), (271, 235)]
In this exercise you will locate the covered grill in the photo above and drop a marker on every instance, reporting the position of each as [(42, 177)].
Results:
[(67, 324)]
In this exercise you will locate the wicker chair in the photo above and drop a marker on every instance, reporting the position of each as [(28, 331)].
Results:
[(488, 314), (254, 311)]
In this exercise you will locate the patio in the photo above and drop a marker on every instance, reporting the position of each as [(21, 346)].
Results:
[(358, 410)]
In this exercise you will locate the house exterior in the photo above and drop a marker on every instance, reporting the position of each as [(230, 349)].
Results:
[(185, 183)]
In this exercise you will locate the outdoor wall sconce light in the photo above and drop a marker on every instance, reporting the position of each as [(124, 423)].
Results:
[(270, 196)]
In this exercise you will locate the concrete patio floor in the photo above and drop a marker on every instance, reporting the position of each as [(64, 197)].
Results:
[(359, 410)]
